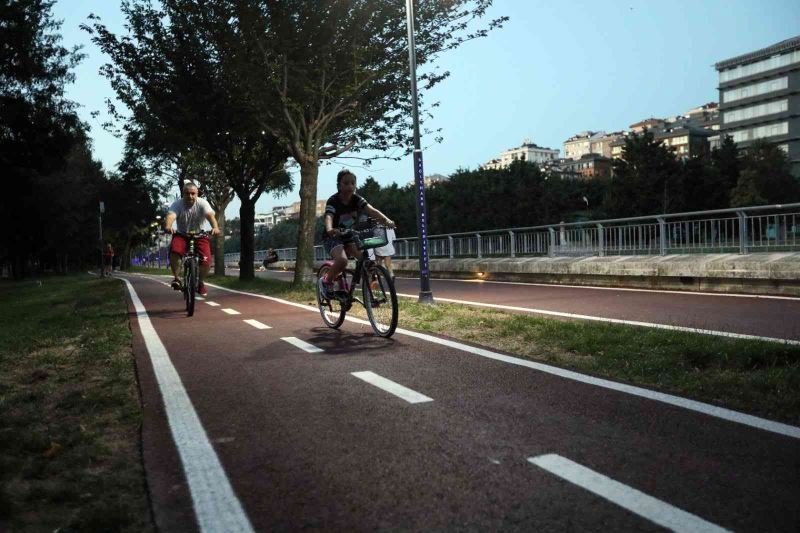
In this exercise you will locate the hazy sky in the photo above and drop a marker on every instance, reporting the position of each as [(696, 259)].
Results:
[(555, 69)]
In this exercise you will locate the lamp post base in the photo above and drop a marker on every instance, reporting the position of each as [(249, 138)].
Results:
[(426, 297)]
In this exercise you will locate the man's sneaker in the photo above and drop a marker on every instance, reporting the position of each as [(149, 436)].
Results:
[(201, 289), (325, 289), (176, 284)]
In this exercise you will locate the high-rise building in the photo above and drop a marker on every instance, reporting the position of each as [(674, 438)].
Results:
[(759, 97)]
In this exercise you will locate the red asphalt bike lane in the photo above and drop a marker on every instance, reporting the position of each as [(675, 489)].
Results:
[(306, 444), (763, 317)]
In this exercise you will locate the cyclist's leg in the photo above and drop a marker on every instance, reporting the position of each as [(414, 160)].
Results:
[(177, 249), (204, 251), (339, 262)]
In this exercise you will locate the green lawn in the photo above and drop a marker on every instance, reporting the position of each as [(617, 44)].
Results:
[(70, 415)]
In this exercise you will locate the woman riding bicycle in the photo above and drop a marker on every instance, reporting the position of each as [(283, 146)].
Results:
[(190, 211), (341, 213)]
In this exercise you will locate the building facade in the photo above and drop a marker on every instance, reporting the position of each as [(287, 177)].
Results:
[(588, 166), (589, 142), (759, 95), (527, 152)]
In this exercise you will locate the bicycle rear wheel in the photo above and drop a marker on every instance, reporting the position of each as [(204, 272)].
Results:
[(332, 311), (380, 299), (190, 285)]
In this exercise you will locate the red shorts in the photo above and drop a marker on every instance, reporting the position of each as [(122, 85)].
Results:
[(202, 247)]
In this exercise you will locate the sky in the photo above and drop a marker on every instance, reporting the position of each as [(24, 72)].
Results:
[(555, 69)]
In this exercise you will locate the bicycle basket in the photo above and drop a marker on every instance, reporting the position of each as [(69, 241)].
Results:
[(373, 237)]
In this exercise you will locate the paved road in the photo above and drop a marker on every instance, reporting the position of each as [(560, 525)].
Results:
[(758, 316), (284, 438)]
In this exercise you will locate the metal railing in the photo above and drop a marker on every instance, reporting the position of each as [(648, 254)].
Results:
[(768, 228)]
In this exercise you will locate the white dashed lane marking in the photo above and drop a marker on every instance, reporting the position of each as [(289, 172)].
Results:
[(391, 387), (635, 501), (303, 345), (256, 324), (212, 304), (231, 311)]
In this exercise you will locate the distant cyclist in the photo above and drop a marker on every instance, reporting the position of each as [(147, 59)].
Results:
[(190, 211), (341, 213)]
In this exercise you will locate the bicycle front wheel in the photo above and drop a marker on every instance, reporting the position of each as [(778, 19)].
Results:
[(380, 299), (331, 310), (190, 286)]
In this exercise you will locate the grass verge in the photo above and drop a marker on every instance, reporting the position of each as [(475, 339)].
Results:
[(69, 409), (757, 377)]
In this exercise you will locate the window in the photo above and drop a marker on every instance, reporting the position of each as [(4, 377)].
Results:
[(773, 62), (755, 89), (770, 130), (755, 111)]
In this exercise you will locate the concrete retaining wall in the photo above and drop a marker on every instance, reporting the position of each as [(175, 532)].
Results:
[(758, 273)]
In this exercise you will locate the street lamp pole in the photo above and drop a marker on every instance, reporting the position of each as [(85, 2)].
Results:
[(425, 294), (101, 210)]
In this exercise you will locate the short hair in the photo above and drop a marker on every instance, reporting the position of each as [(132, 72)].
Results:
[(341, 175), (189, 183)]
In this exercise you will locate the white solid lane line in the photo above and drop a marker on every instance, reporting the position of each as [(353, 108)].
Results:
[(391, 387), (635, 501), (199, 298), (215, 504), (231, 311), (256, 324), (303, 345), (212, 304), (614, 320)]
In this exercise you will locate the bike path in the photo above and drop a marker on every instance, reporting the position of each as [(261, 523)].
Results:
[(306, 444), (741, 314)]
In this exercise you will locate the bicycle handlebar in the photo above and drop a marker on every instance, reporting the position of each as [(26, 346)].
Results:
[(201, 233)]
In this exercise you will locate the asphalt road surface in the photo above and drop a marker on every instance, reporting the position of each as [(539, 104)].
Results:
[(762, 316), (257, 417)]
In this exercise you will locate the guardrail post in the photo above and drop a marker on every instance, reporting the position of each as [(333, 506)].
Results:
[(742, 231), (552, 251), (450, 244), (513, 245), (406, 246), (601, 240), (478, 235), (662, 235)]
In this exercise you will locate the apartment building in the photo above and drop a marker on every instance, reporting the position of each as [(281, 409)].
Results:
[(759, 95), (527, 152), (589, 142)]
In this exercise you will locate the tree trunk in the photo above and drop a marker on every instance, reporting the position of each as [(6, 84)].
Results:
[(219, 243), (304, 266), (247, 216)]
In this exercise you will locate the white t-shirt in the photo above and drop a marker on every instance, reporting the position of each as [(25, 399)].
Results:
[(190, 218)]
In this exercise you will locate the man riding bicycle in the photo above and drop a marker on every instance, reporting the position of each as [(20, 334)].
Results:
[(189, 212)]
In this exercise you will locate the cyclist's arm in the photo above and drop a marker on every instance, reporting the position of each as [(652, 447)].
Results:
[(374, 213), (213, 221), (329, 224), (171, 216)]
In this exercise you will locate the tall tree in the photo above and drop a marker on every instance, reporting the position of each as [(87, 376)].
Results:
[(339, 75), (38, 125), (179, 72), (646, 179), (766, 177)]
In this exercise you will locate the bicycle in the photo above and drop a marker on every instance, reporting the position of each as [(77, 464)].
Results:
[(378, 295), (190, 267)]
